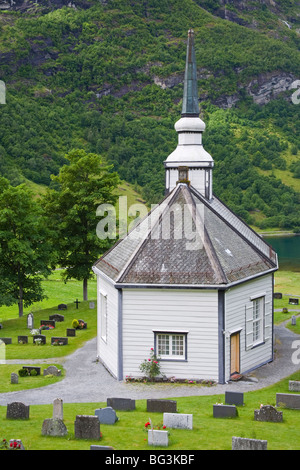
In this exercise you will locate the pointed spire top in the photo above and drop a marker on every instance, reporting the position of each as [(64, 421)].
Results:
[(190, 105)]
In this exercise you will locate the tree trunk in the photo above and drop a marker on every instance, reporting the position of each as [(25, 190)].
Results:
[(20, 301), (85, 289)]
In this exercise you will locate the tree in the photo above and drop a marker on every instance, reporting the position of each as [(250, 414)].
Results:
[(25, 251), (82, 185)]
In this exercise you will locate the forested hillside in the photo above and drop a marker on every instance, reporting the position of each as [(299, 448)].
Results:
[(107, 77)]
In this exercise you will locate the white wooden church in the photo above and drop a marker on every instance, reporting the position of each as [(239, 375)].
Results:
[(192, 280)]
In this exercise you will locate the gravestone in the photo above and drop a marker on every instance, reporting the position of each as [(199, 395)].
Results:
[(30, 321), (294, 320), (54, 427), (288, 400), (87, 427), (58, 409), (106, 415), (2, 352), (6, 340), (294, 301), (30, 368), (243, 443), (23, 339), (41, 338), (234, 398), (62, 307), (158, 438), (14, 378), (71, 332), (268, 413), (83, 325), (92, 305), (294, 385), (178, 420), (95, 447), (52, 370), (224, 411), (161, 406), (48, 323), (124, 404), (277, 295), (17, 410), (57, 317), (61, 341), (16, 444)]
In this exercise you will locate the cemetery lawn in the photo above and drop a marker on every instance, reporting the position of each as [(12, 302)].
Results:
[(15, 327), (286, 282), (25, 383), (129, 432)]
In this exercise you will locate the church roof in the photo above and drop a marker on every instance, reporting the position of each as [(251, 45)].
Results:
[(188, 240)]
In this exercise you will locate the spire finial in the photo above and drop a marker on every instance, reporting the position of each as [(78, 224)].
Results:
[(190, 105)]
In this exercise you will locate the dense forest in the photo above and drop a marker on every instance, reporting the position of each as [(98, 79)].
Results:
[(107, 77)]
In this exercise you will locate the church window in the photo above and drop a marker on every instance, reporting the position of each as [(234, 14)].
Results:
[(171, 346)]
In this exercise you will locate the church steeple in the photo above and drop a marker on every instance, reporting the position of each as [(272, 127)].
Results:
[(190, 105), (190, 154)]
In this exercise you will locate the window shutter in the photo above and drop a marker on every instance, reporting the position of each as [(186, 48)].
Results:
[(249, 326), (268, 320)]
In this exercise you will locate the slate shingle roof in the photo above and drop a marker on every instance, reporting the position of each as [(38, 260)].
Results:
[(188, 240)]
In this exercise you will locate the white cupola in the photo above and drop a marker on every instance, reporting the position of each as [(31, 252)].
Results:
[(190, 163)]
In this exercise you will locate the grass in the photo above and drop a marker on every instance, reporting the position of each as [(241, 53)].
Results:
[(208, 432), (25, 383)]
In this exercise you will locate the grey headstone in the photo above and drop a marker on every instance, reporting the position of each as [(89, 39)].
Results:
[(52, 370), (243, 443), (294, 321), (62, 341), (95, 447), (294, 385), (92, 305), (58, 412), (87, 427), (268, 413), (178, 420), (288, 400), (6, 340), (54, 427), (161, 406), (16, 444), (14, 378), (30, 321), (17, 410), (57, 317), (125, 404), (106, 415), (158, 438), (224, 411), (234, 398)]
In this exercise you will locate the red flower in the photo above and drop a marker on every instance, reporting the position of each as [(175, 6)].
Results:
[(147, 424), (164, 427)]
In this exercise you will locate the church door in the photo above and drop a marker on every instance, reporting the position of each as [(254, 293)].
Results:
[(235, 353)]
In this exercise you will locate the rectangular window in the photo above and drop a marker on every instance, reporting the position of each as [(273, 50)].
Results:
[(171, 346), (103, 316), (258, 311)]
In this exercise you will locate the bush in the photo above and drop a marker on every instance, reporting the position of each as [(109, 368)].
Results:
[(23, 372), (75, 323), (151, 366)]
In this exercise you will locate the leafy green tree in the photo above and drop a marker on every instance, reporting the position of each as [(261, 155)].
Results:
[(25, 251), (82, 185)]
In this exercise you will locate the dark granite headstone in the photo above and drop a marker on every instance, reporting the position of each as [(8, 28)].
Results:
[(234, 398), (125, 404), (161, 406), (224, 411), (17, 410), (30, 368), (22, 339), (71, 332), (60, 341), (57, 317), (87, 427)]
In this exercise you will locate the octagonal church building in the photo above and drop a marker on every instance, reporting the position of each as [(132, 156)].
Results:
[(191, 280)]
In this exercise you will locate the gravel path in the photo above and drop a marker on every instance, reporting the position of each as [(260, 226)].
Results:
[(87, 381)]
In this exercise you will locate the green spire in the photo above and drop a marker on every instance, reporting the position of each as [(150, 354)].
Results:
[(190, 105)]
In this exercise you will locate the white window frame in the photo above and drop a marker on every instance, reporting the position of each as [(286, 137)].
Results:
[(103, 316), (258, 320), (170, 339)]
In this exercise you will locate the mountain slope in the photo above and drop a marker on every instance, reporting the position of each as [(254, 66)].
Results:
[(107, 76)]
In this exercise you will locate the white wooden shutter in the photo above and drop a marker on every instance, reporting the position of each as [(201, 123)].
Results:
[(268, 320), (249, 326)]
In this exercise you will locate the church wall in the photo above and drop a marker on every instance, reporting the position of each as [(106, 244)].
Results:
[(107, 350), (146, 311), (239, 310)]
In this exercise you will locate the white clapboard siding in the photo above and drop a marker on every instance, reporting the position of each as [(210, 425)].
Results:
[(108, 350), (239, 316), (175, 311)]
